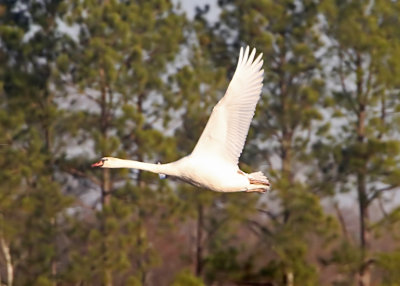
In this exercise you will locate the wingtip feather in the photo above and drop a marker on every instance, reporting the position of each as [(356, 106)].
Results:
[(240, 56), (259, 58), (246, 54), (247, 59), (251, 57)]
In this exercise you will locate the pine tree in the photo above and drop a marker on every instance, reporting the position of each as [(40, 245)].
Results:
[(361, 151), (287, 33), (31, 201), (118, 66)]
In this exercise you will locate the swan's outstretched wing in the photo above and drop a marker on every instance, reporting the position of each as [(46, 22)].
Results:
[(227, 128)]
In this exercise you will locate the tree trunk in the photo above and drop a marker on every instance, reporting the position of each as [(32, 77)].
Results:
[(54, 259), (288, 278), (7, 257), (286, 156), (105, 180), (140, 265), (364, 273), (105, 188), (199, 241), (105, 197)]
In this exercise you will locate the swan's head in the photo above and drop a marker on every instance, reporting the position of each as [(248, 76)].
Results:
[(106, 162)]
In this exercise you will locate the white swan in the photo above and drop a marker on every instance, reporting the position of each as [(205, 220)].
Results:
[(213, 164)]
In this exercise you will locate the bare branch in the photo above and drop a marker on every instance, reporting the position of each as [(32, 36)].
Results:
[(261, 227), (91, 97), (367, 264), (342, 222), (382, 208), (343, 83), (271, 215), (383, 114), (254, 230), (76, 172), (378, 192)]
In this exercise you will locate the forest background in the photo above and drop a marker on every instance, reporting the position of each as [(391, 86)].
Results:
[(81, 79)]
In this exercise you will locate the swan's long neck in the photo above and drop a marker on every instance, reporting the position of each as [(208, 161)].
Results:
[(167, 169)]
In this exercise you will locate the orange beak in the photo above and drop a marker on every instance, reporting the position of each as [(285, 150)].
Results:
[(98, 164)]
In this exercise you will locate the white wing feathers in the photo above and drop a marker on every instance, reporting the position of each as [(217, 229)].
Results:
[(226, 130)]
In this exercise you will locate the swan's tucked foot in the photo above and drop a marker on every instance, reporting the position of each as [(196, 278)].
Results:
[(258, 182), (260, 190)]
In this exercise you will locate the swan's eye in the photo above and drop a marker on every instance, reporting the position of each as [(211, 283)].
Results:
[(104, 159)]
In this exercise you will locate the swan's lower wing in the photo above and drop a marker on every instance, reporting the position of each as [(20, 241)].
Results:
[(227, 128)]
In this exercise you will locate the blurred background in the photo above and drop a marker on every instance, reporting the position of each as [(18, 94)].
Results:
[(82, 79)]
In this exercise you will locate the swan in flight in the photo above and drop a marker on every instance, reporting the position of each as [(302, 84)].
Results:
[(213, 163)]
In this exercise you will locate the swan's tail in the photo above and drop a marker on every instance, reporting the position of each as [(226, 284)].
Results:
[(259, 182)]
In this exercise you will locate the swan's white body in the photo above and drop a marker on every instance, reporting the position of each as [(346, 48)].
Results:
[(213, 164)]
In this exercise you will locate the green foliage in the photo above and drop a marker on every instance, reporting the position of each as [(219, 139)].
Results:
[(185, 278), (362, 156), (389, 262), (32, 205)]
